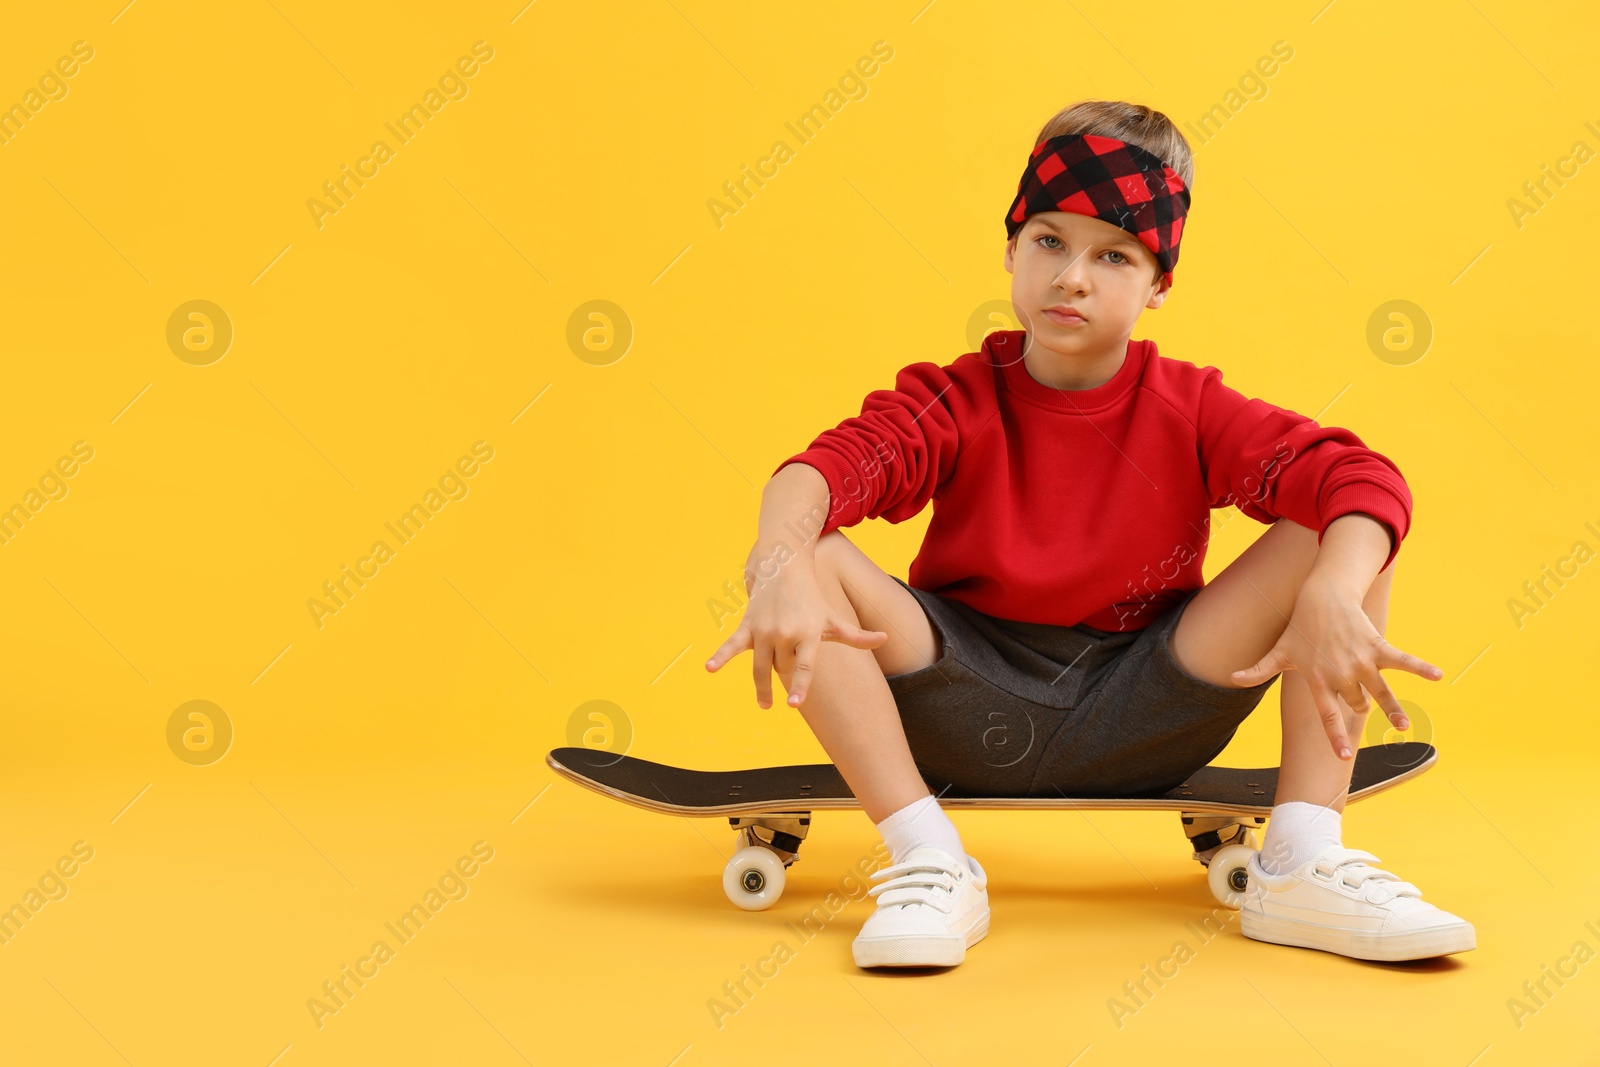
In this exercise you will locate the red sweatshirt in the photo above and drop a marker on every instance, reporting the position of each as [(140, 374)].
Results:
[(1090, 506)]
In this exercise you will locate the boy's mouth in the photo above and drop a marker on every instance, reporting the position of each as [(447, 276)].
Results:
[(1066, 316)]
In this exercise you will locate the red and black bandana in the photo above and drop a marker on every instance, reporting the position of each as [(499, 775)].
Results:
[(1107, 179)]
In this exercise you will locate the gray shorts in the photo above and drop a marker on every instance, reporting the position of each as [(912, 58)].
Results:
[(1026, 709)]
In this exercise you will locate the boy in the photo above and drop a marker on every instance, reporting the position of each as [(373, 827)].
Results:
[(1056, 636)]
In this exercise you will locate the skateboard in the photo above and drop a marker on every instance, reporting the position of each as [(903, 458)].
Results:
[(771, 807)]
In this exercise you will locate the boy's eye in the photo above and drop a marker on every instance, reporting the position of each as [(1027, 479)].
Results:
[(1119, 261)]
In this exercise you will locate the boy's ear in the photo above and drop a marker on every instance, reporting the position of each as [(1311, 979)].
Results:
[(1159, 295), (1011, 247)]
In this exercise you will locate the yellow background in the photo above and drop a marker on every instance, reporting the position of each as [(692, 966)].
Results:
[(433, 309)]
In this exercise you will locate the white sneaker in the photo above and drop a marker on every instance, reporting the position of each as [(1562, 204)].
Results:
[(1338, 902), (931, 909)]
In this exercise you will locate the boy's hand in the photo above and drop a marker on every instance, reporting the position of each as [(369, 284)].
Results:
[(784, 623), (1331, 642)]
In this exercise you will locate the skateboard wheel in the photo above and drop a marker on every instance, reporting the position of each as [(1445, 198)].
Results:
[(1226, 874), (754, 878)]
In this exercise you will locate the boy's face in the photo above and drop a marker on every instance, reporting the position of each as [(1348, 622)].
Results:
[(1060, 258)]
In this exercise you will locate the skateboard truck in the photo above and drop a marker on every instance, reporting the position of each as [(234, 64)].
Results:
[(1210, 833), (780, 833)]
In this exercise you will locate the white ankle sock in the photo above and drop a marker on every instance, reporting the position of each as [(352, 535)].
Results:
[(922, 822), (1296, 832)]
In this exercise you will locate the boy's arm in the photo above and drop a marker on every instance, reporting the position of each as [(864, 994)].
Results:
[(794, 497), (787, 617), (1273, 463), (889, 460), (1331, 641), (1353, 552)]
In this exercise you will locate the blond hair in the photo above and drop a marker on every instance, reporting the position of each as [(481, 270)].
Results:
[(1133, 123)]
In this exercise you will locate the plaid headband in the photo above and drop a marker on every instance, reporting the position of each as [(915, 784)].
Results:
[(1106, 179)]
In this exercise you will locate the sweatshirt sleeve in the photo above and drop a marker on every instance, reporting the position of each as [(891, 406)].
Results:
[(1273, 463), (888, 461)]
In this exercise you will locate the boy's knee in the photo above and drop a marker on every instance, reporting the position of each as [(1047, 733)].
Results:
[(829, 564), (830, 553), (837, 561), (1376, 602), (832, 543)]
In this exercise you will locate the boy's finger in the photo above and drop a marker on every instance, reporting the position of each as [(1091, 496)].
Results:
[(730, 648), (762, 668), (800, 677), (1393, 657), (1332, 713), (1386, 699), (856, 637), (783, 664), (1267, 666)]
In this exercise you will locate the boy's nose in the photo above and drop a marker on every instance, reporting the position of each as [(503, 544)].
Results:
[(1072, 275)]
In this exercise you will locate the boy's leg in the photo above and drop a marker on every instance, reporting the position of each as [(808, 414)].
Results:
[(1311, 772), (848, 705), (1239, 616), (1376, 916), (928, 913)]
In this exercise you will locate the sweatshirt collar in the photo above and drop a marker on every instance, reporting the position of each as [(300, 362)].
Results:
[(1004, 349)]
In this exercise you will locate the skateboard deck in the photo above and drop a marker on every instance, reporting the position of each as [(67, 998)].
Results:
[(820, 787), (771, 807)]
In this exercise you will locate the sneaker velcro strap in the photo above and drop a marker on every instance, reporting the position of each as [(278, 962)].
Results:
[(914, 894), (904, 868), (923, 882), (1353, 868), (935, 879), (1331, 860)]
